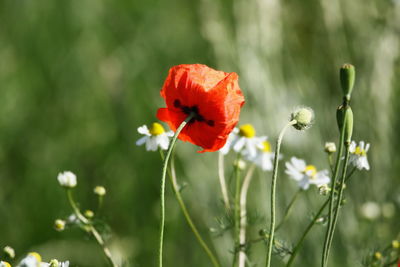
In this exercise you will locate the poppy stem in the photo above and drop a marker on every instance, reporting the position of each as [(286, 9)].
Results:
[(311, 224), (338, 201), (332, 196), (237, 208), (164, 174), (273, 192), (177, 191)]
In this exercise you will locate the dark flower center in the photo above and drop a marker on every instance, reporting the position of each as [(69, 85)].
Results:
[(193, 110)]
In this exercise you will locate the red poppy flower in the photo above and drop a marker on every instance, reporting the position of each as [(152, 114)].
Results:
[(213, 96)]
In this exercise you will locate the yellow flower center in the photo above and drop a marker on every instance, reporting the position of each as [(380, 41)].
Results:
[(36, 255), (310, 170), (6, 264), (247, 130), (266, 146), (360, 152), (156, 129)]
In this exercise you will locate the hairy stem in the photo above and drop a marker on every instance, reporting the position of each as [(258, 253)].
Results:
[(273, 193), (164, 174), (222, 181), (288, 209)]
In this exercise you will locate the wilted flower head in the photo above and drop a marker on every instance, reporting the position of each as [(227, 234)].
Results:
[(9, 251), (212, 97), (304, 117), (306, 174), (155, 137), (99, 190), (67, 179), (358, 155)]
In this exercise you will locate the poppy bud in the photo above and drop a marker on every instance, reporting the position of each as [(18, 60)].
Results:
[(347, 77), (344, 116)]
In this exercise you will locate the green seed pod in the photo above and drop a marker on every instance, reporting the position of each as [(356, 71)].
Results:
[(344, 116), (347, 78)]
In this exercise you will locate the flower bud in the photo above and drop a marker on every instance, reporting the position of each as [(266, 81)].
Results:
[(67, 179), (377, 255), (324, 190), (395, 244), (304, 118), (54, 263), (59, 225), (9, 251), (347, 78), (88, 214), (330, 147), (99, 190), (344, 116), (240, 164)]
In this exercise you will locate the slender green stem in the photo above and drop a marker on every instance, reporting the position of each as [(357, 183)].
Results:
[(332, 196), (312, 223), (237, 207), (273, 189), (243, 215), (175, 187), (164, 174), (288, 209), (222, 181), (339, 200), (90, 228)]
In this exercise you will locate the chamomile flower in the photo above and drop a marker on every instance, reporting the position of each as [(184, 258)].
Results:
[(4, 264), (305, 174), (264, 157), (155, 137), (358, 155), (244, 140), (33, 259)]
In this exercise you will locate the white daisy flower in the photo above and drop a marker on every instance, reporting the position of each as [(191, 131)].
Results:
[(67, 179), (306, 175), (4, 264), (33, 259), (358, 155), (264, 157), (155, 137), (244, 140)]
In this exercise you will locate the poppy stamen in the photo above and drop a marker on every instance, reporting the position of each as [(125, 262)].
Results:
[(192, 110)]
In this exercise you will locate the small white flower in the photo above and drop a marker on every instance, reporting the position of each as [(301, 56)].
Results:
[(67, 179), (33, 259), (56, 263), (72, 219), (154, 137), (306, 174), (59, 225), (244, 140), (264, 157), (330, 147), (370, 210), (358, 155), (4, 264)]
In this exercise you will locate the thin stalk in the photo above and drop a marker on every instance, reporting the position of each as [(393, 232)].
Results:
[(164, 174), (273, 189), (312, 223), (222, 181), (288, 209), (237, 207), (243, 215), (339, 200), (91, 228), (332, 196), (175, 187)]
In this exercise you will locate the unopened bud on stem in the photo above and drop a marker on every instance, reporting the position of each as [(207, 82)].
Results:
[(347, 78), (344, 116)]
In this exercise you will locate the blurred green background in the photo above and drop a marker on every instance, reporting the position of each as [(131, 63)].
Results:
[(78, 77)]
